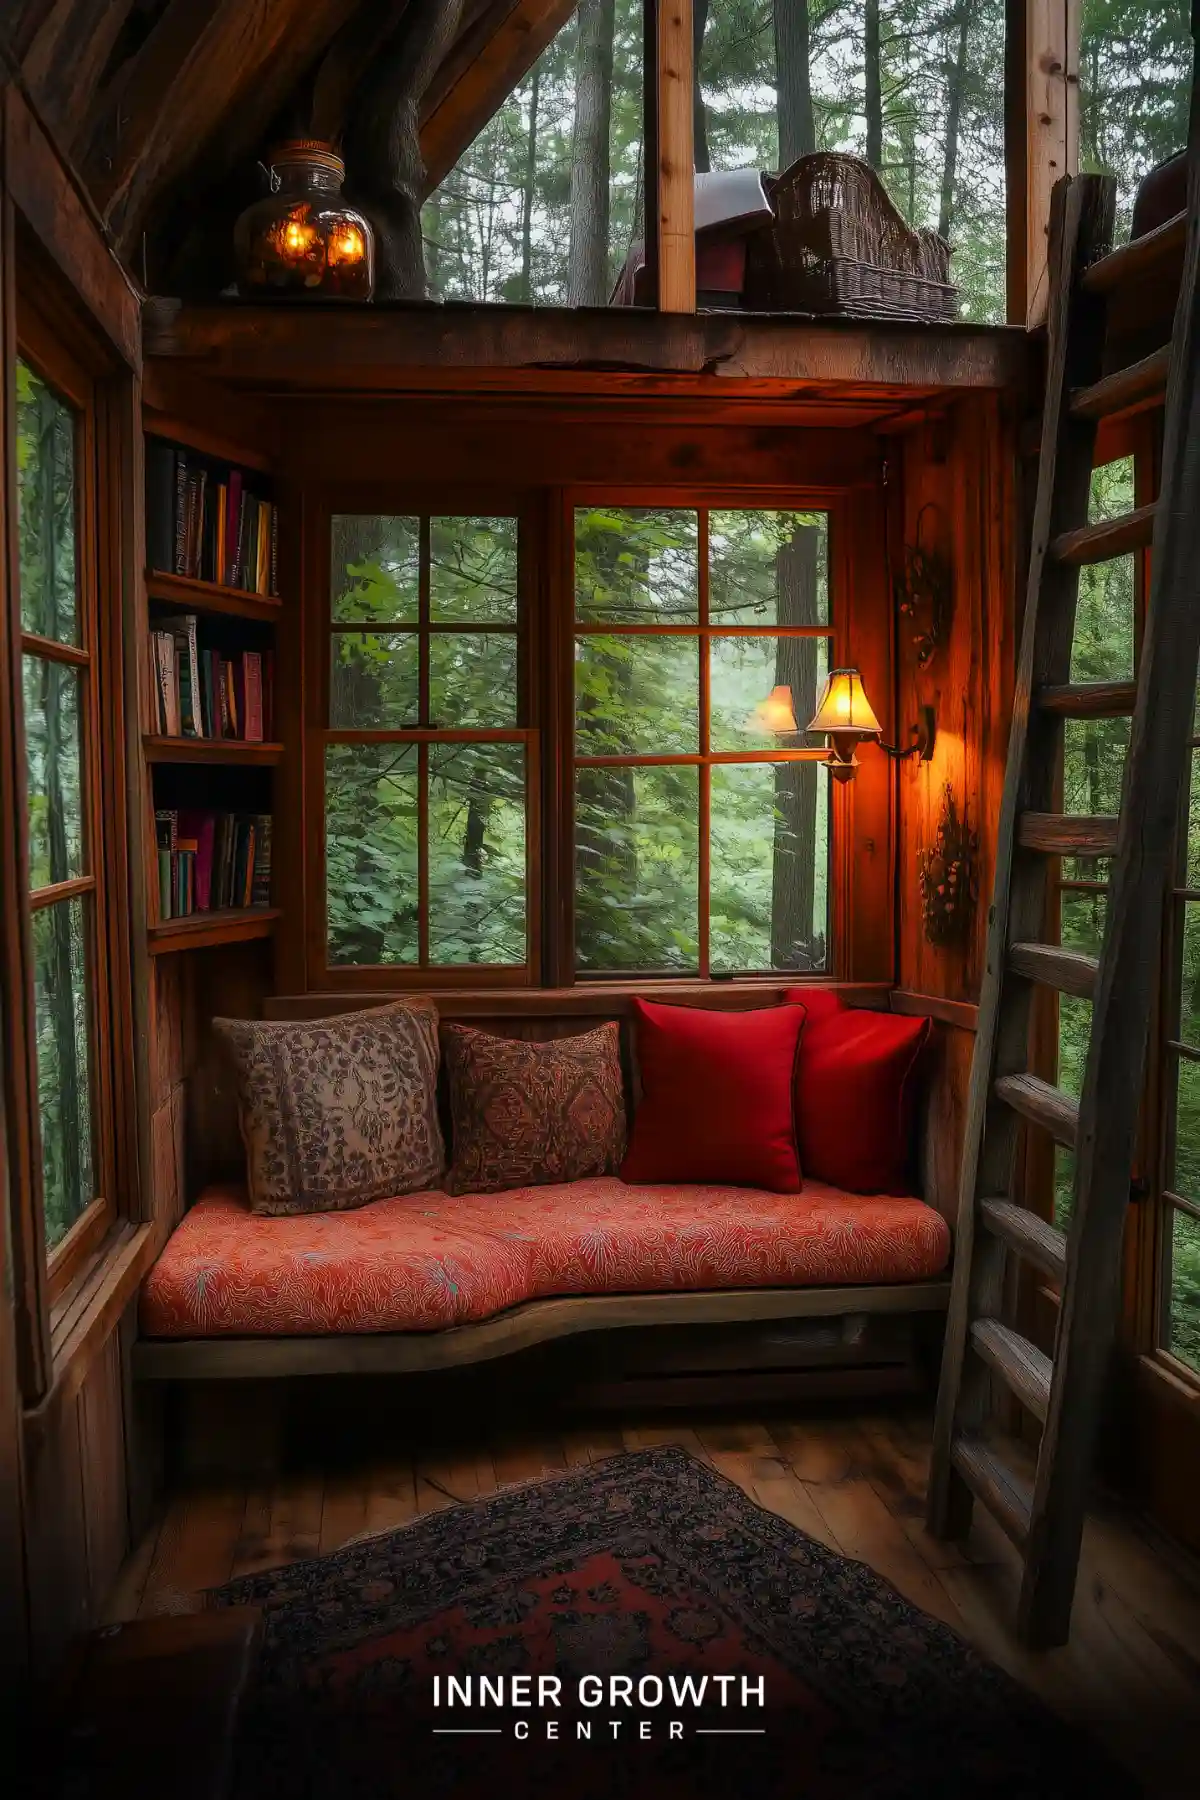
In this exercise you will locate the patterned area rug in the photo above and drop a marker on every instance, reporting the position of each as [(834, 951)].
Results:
[(637, 1628)]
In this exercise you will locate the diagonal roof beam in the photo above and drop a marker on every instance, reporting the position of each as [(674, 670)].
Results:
[(491, 57)]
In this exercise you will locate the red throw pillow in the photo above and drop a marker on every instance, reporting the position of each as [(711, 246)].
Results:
[(717, 1097), (856, 1091)]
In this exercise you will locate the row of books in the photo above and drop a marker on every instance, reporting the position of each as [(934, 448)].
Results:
[(208, 861), (206, 693), (207, 523)]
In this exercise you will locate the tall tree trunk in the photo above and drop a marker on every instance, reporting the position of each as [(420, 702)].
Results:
[(794, 866), (587, 269), (700, 158), (793, 82), (383, 147), (527, 199), (958, 75), (874, 86)]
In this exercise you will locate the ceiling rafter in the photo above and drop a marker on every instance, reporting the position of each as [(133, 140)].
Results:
[(200, 92), (66, 57)]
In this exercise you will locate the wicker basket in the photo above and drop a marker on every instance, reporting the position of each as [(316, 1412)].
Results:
[(840, 246)]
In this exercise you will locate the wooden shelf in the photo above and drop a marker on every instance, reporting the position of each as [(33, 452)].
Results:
[(208, 750), (233, 925), (212, 596)]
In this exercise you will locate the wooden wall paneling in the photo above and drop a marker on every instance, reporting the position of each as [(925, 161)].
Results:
[(56, 1535), (230, 981), (14, 1614), (299, 579), (964, 469), (62, 222), (675, 162), (461, 442), (102, 1450), (216, 419), (948, 1072)]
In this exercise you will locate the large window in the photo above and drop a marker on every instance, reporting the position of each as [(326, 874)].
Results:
[(614, 741), (701, 822), (426, 754), (1135, 65), (58, 689)]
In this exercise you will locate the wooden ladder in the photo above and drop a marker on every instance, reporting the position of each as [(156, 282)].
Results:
[(1045, 1522)]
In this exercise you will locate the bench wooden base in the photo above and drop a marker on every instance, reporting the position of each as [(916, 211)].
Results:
[(535, 1322)]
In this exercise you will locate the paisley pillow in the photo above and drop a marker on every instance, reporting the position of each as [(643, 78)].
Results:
[(338, 1111), (527, 1113)]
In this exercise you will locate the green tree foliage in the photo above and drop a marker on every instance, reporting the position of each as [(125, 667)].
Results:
[(45, 455), (1135, 61)]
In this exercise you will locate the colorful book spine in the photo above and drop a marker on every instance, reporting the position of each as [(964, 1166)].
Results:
[(252, 684)]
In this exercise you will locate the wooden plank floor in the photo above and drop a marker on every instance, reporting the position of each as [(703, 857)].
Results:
[(855, 1480)]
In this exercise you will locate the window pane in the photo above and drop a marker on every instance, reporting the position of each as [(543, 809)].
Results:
[(52, 759), (1189, 986), (371, 852), (636, 565), (770, 858), (637, 694), (374, 574), (1074, 1031), (46, 509), (1183, 1337), (1186, 1178), (542, 206), (472, 680), (63, 1039), (742, 673), (477, 884), (373, 681), (636, 868), (473, 571), (1135, 65), (770, 93), (1192, 870), (768, 568), (1102, 649), (1094, 753), (1081, 917), (1064, 1186)]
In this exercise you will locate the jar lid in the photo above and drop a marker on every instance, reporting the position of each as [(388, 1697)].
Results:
[(312, 153)]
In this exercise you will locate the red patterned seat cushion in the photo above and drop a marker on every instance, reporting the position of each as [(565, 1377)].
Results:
[(424, 1261)]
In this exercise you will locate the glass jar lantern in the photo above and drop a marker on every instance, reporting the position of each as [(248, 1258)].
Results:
[(302, 239)]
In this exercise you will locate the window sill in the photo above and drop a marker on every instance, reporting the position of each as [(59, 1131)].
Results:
[(1169, 1376), (86, 1315)]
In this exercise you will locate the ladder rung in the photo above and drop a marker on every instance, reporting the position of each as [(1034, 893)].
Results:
[(1068, 834), (990, 1479), (1067, 971), (1135, 260), (1089, 699), (1025, 1369), (1042, 1104), (1125, 391), (1035, 1239), (1109, 538)]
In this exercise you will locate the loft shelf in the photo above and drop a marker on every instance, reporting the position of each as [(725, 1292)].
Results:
[(231, 925), (208, 750), (211, 596)]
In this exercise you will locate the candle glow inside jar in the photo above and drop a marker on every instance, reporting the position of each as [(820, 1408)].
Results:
[(302, 239)]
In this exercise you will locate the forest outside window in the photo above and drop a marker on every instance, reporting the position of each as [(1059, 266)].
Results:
[(58, 694), (427, 758), (701, 830)]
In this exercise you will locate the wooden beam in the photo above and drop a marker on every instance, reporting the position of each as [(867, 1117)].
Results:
[(67, 56), (1051, 145), (47, 200), (196, 97), (492, 55), (381, 348), (676, 176)]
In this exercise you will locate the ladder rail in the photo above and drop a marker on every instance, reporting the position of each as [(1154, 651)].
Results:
[(1147, 832), (1082, 213)]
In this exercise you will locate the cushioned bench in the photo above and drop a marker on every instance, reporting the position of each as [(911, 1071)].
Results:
[(430, 1261)]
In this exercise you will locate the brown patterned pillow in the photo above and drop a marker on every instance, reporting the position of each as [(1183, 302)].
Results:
[(338, 1111), (526, 1113)]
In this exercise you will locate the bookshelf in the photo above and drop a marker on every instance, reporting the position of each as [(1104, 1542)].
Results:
[(210, 614)]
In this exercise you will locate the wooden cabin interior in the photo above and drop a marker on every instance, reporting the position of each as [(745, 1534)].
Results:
[(412, 615)]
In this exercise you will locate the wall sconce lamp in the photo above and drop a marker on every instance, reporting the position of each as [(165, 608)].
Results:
[(847, 719)]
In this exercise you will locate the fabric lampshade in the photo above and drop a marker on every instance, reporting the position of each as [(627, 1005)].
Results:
[(844, 706)]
